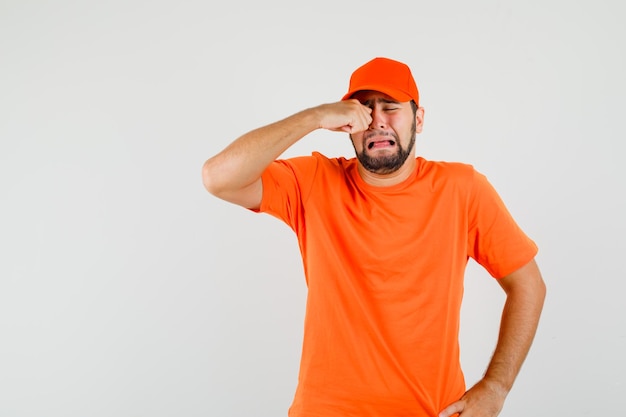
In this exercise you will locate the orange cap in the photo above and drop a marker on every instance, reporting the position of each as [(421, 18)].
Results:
[(387, 76)]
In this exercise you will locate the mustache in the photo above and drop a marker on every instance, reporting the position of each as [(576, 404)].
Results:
[(371, 133)]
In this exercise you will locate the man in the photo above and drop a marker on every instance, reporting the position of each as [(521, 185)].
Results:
[(385, 238)]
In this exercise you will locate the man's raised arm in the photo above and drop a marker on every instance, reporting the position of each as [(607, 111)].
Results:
[(234, 174)]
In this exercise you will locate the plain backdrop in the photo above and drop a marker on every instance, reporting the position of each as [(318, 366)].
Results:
[(127, 290)]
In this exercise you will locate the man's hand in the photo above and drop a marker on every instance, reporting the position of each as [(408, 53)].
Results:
[(484, 399), (345, 116)]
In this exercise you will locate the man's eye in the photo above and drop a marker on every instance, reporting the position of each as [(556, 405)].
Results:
[(391, 108)]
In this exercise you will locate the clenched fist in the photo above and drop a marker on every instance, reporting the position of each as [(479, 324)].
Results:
[(344, 116)]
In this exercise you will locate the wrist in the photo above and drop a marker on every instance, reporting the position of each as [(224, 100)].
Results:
[(496, 385)]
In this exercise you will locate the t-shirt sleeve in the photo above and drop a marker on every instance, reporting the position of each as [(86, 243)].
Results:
[(495, 240), (286, 185)]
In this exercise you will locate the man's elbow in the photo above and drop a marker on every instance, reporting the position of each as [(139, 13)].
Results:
[(223, 187), (210, 179)]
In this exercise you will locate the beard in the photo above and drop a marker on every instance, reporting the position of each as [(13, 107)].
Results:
[(388, 163)]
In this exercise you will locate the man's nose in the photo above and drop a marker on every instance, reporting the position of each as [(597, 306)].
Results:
[(378, 119)]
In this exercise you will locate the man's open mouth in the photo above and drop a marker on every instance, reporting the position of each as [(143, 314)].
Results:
[(381, 144)]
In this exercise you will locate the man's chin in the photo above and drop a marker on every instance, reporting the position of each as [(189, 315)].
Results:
[(380, 166), (382, 171)]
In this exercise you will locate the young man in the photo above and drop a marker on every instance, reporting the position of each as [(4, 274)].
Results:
[(385, 238)]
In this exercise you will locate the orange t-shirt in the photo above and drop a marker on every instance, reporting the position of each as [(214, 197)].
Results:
[(384, 269)]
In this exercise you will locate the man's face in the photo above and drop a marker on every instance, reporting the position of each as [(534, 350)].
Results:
[(390, 139)]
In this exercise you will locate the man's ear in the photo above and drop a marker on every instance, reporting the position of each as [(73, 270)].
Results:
[(419, 119)]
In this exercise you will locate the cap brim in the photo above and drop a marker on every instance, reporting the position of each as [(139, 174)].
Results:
[(398, 95)]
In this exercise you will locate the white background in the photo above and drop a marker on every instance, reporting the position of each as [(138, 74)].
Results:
[(127, 290)]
